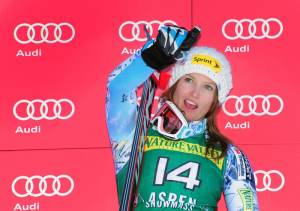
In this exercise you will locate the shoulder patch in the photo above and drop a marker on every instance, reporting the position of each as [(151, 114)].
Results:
[(243, 165)]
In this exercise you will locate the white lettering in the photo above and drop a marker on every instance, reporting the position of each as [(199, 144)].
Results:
[(147, 205), (180, 205), (18, 207), (162, 196), (20, 53), (237, 49), (192, 201), (166, 204), (174, 201), (244, 125), (152, 197), (19, 130), (181, 198), (29, 130), (130, 51), (159, 203), (34, 206), (34, 53), (172, 197), (174, 204)]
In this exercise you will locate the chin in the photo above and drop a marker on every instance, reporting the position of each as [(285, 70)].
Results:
[(191, 119)]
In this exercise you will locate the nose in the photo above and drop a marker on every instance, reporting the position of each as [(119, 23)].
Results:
[(195, 92)]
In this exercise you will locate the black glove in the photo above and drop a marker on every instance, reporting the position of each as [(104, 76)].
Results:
[(170, 43)]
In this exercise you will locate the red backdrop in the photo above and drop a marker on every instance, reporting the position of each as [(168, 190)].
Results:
[(55, 60)]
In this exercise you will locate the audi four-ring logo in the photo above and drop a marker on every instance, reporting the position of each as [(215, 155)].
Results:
[(252, 107), (246, 29), (26, 33), (136, 29), (31, 111), (267, 178), (62, 185)]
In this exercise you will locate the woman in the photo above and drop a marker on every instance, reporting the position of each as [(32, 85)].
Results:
[(187, 162)]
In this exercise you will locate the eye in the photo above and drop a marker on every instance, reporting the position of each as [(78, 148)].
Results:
[(188, 79), (209, 87)]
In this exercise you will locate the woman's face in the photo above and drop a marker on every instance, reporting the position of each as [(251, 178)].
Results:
[(194, 95)]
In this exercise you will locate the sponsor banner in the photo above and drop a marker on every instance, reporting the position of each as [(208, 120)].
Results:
[(55, 61), (258, 105), (258, 118), (43, 110), (56, 67), (246, 29), (258, 45), (38, 33), (52, 122), (36, 186), (41, 181), (154, 143), (53, 80)]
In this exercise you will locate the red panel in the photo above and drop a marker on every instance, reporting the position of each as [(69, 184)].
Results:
[(68, 77), (67, 74), (265, 72), (61, 70), (58, 180)]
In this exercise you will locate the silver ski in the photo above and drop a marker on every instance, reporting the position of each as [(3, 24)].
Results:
[(136, 155)]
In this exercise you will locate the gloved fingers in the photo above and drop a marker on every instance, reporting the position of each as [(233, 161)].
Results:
[(178, 36), (170, 45), (192, 37), (162, 39), (170, 38)]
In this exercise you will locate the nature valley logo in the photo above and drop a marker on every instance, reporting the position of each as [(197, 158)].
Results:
[(156, 142), (247, 198), (208, 61)]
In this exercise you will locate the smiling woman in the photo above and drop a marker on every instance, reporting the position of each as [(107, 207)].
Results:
[(187, 163)]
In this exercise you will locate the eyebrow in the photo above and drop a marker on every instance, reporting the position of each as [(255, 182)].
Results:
[(206, 82)]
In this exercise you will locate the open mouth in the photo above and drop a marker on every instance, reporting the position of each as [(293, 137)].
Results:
[(190, 104)]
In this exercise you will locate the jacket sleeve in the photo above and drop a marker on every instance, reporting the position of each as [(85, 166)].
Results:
[(239, 182), (121, 105)]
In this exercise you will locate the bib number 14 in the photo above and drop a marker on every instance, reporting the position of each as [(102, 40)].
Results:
[(190, 181)]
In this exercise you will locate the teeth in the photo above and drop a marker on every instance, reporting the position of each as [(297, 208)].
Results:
[(190, 102)]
